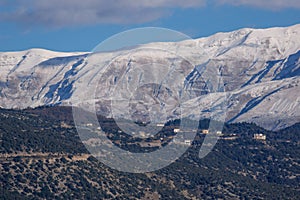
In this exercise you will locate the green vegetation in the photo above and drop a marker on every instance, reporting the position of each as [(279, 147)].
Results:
[(42, 157)]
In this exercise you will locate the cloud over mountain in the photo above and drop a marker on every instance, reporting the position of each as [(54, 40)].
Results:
[(59, 13), (265, 4)]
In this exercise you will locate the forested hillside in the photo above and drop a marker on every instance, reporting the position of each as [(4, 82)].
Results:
[(41, 156)]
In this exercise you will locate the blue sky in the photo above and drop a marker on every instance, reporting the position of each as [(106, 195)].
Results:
[(76, 25)]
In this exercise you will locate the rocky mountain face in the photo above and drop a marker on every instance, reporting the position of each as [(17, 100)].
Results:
[(253, 74)]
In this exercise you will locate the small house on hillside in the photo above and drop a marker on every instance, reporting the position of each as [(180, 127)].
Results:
[(176, 130), (260, 137)]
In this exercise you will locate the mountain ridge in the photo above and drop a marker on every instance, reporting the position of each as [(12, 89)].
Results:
[(259, 68)]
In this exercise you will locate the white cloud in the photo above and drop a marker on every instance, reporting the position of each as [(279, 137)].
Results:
[(64, 13), (265, 4), (60, 13)]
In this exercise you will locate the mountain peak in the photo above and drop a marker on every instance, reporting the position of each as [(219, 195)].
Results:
[(259, 67)]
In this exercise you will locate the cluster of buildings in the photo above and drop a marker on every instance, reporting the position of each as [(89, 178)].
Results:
[(184, 141)]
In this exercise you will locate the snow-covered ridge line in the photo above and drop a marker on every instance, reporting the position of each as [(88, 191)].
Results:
[(260, 69), (46, 51)]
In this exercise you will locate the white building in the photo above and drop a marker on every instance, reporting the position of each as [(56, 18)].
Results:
[(219, 133), (176, 130), (260, 136)]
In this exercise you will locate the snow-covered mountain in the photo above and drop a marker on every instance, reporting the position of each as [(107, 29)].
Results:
[(260, 71)]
